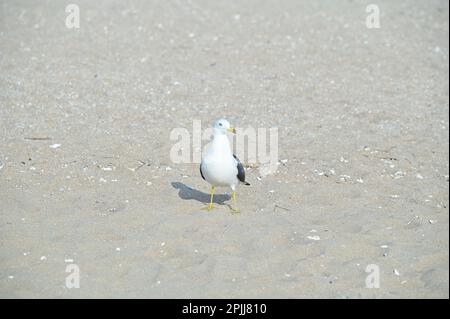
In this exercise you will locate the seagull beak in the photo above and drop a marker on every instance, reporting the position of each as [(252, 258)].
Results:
[(232, 130)]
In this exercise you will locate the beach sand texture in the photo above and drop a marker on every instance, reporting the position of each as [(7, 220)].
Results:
[(86, 176)]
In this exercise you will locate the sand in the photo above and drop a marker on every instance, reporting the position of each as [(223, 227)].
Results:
[(86, 177)]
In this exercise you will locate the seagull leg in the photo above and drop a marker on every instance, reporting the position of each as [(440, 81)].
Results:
[(236, 209), (211, 204)]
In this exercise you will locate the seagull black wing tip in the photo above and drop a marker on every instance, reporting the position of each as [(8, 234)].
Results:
[(201, 173), (241, 171)]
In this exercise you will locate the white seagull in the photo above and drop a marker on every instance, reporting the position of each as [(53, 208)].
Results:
[(220, 167)]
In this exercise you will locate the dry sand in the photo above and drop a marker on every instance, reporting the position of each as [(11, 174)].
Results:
[(363, 123)]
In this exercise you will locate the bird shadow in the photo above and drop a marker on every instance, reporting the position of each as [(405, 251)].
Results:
[(185, 192)]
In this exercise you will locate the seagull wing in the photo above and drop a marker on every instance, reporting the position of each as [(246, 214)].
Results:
[(241, 171)]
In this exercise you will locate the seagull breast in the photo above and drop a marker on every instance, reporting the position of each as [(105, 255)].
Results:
[(219, 167)]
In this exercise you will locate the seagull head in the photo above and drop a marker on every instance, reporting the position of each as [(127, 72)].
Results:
[(222, 126)]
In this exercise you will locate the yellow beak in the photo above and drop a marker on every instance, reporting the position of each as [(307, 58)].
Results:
[(232, 130)]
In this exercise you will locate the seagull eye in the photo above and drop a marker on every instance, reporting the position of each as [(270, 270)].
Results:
[(220, 124)]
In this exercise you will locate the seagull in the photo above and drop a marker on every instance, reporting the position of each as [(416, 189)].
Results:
[(220, 167)]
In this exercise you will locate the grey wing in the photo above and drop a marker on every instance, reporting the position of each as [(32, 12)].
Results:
[(241, 171)]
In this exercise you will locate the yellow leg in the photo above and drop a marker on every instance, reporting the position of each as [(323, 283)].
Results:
[(211, 203), (213, 190), (235, 209)]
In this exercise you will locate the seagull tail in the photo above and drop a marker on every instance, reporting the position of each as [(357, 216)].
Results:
[(247, 184)]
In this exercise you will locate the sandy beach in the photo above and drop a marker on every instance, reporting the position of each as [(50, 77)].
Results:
[(86, 176)]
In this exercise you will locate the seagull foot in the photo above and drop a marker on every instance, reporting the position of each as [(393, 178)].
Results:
[(235, 210), (208, 208)]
